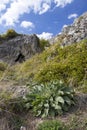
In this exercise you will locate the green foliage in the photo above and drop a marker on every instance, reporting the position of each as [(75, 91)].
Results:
[(68, 63), (49, 99), (10, 34), (3, 66), (44, 43), (52, 125)]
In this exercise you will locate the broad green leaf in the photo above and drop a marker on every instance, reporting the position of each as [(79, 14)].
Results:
[(67, 100), (57, 107), (53, 104), (39, 113), (60, 92), (46, 111), (59, 99), (27, 105), (51, 99), (46, 105)]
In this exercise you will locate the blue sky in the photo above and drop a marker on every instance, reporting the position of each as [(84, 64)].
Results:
[(45, 18)]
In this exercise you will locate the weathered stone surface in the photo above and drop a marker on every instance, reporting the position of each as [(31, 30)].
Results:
[(73, 33), (19, 48), (77, 31)]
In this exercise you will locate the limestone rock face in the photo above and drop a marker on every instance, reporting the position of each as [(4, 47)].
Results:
[(20, 48), (73, 33), (77, 31)]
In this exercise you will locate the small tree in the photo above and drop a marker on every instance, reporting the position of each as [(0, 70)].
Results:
[(11, 33)]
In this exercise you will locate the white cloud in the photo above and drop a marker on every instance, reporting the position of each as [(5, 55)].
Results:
[(45, 7), (3, 4), (65, 26), (62, 3), (17, 8), (27, 24), (72, 16), (13, 13), (59, 33), (45, 35)]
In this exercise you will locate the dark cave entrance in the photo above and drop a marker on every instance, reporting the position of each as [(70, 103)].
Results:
[(20, 58)]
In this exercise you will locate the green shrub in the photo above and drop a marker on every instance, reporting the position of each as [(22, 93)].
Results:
[(11, 33), (68, 63), (49, 99), (52, 125), (2, 66), (44, 43)]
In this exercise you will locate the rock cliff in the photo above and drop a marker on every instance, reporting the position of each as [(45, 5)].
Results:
[(73, 33), (19, 48)]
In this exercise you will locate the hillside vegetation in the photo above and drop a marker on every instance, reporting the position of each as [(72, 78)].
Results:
[(10, 33), (43, 86), (51, 77), (68, 64)]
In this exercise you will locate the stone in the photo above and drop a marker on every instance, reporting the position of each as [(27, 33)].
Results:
[(74, 32), (19, 48)]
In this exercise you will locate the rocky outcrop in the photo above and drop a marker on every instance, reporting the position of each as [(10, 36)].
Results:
[(19, 48), (73, 33)]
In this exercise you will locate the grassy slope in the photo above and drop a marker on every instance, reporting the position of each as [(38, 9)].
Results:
[(68, 64)]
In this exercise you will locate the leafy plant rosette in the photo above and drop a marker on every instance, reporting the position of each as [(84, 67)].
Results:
[(49, 99)]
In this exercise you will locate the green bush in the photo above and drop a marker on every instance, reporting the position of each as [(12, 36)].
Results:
[(49, 99), (2, 66), (11, 33), (44, 43), (68, 63), (52, 125)]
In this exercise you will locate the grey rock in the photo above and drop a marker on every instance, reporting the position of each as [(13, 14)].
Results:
[(18, 91), (20, 48), (74, 32)]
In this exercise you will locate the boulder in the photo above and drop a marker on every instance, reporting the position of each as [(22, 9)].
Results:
[(19, 48)]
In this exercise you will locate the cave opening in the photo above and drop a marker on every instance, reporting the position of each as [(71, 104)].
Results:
[(20, 58)]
